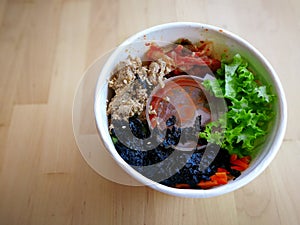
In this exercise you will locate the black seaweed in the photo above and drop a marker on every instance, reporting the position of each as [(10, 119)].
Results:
[(189, 171)]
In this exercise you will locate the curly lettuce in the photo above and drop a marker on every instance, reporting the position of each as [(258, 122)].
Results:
[(249, 108)]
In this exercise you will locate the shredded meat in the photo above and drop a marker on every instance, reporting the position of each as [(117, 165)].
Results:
[(132, 84), (124, 73)]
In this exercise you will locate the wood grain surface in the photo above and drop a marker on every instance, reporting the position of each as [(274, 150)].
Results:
[(45, 47)]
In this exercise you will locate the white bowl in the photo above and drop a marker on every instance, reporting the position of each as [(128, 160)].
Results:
[(223, 40)]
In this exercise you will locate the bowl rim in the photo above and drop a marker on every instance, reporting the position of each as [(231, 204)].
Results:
[(200, 193)]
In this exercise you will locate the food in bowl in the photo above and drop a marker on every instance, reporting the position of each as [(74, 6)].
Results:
[(161, 120)]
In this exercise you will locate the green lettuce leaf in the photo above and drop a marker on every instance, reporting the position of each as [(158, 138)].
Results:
[(249, 108)]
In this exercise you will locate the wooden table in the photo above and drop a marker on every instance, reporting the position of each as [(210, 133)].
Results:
[(45, 46)]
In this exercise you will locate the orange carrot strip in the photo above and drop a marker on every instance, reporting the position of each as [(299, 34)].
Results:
[(207, 184), (220, 177), (246, 159), (233, 157), (238, 162), (220, 169), (237, 168), (182, 186)]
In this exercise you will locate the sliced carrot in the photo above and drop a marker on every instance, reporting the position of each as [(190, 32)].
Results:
[(220, 177), (233, 157), (238, 162), (246, 159), (182, 186), (207, 184), (220, 169), (237, 168)]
